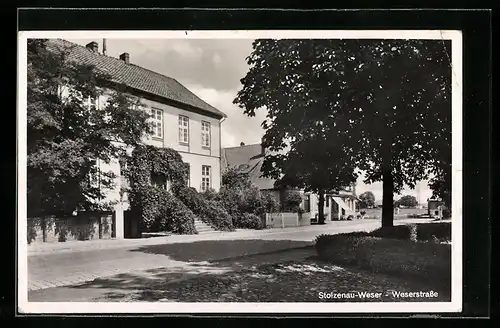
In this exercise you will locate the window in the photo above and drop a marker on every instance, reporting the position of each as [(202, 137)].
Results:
[(183, 129), (307, 203), (123, 168), (93, 102), (160, 180), (205, 134), (94, 174), (205, 177), (157, 119)]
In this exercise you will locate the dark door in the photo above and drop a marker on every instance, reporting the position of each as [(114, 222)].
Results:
[(334, 210)]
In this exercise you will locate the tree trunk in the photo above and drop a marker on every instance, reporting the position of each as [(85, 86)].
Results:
[(321, 208), (387, 198)]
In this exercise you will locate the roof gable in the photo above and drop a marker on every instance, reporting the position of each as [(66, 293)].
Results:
[(134, 76), (248, 159)]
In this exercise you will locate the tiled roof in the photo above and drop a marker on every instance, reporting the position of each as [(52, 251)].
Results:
[(134, 76), (249, 159)]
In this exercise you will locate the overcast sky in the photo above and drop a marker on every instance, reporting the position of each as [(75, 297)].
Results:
[(212, 69)]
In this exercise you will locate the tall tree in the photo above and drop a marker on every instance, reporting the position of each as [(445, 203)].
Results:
[(313, 165), (367, 199), (66, 133), (380, 103)]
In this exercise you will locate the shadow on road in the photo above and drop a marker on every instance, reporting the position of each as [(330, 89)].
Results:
[(235, 271), (210, 250), (300, 280)]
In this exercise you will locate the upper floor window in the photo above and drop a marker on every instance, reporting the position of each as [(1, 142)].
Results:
[(183, 129), (205, 134), (205, 177), (92, 102), (157, 120), (94, 173), (123, 169)]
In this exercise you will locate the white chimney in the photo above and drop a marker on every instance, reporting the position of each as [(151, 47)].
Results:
[(104, 46)]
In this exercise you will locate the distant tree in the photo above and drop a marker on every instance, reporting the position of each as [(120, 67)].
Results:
[(407, 201), (271, 204), (66, 134), (367, 200), (380, 104), (314, 166), (232, 178), (292, 201)]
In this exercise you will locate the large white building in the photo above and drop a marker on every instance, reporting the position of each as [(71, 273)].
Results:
[(182, 121)]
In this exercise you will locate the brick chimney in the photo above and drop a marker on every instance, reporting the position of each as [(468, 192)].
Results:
[(93, 46), (125, 57)]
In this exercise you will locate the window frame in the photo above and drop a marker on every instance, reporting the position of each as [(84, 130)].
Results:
[(95, 177), (123, 167), (163, 185), (153, 111), (95, 101), (307, 203), (207, 134), (184, 129), (206, 185)]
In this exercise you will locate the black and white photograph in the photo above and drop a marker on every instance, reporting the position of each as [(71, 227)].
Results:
[(240, 171)]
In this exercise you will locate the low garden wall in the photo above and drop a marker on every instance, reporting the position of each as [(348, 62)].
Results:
[(87, 226), (286, 220)]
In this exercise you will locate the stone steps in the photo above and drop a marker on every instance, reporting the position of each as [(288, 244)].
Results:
[(202, 227)]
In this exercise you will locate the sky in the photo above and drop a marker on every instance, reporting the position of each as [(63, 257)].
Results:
[(212, 69)]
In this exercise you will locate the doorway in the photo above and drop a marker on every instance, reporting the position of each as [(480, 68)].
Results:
[(334, 209)]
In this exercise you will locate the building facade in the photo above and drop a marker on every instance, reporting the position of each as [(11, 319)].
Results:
[(181, 120), (249, 159)]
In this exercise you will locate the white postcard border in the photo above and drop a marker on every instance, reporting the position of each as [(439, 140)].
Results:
[(26, 307)]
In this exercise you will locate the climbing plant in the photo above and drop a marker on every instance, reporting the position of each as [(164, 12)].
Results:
[(150, 171)]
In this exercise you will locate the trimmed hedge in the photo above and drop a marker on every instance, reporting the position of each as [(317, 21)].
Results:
[(208, 210), (427, 261), (176, 217), (435, 232), (161, 211)]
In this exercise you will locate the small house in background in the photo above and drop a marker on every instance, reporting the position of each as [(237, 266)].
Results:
[(249, 159), (435, 207)]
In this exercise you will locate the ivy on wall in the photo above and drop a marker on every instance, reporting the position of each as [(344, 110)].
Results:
[(158, 209)]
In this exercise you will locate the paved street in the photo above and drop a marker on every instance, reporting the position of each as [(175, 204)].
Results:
[(61, 268)]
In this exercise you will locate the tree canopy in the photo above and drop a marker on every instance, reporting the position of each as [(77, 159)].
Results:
[(381, 106), (67, 132), (407, 201), (367, 200)]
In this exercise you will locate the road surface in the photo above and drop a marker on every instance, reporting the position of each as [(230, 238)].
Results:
[(62, 268)]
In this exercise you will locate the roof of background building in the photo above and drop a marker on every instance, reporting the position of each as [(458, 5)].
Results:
[(134, 76), (247, 159)]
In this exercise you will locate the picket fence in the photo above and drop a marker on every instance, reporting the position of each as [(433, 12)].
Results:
[(286, 220)]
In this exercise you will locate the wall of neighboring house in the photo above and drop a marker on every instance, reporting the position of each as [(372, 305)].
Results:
[(314, 205)]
